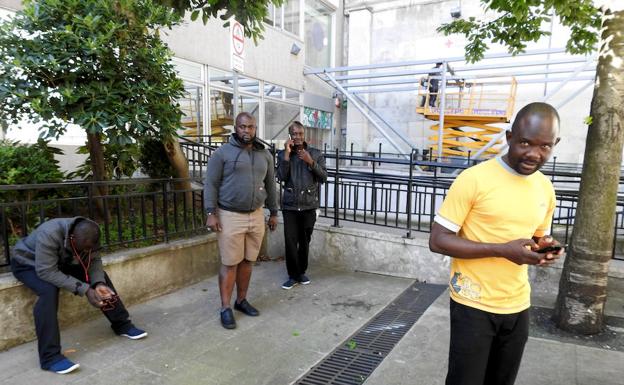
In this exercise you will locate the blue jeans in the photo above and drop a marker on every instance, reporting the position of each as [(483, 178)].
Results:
[(46, 308)]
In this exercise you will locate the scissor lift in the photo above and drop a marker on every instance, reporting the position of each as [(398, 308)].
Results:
[(470, 111)]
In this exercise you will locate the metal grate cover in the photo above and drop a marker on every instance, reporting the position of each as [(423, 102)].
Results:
[(356, 358)]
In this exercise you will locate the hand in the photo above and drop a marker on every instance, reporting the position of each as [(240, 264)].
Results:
[(94, 298), (103, 291), (306, 157), (551, 257), (272, 222), (288, 146), (212, 222), (518, 253)]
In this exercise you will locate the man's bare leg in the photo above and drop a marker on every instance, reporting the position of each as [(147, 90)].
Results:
[(227, 277), (243, 276)]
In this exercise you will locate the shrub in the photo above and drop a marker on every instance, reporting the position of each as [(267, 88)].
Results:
[(29, 163)]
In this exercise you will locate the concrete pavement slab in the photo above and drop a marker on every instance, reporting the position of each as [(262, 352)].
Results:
[(187, 345)]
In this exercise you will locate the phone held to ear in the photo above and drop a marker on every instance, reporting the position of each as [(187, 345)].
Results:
[(551, 249)]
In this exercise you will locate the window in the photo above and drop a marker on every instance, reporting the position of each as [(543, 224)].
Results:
[(318, 24), (191, 102), (291, 16), (285, 17), (278, 116), (191, 105)]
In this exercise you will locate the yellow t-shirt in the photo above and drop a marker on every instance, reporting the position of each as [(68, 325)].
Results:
[(492, 203)]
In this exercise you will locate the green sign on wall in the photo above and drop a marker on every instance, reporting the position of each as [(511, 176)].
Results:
[(317, 118)]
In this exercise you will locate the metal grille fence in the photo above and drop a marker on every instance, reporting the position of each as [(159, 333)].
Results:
[(134, 212)]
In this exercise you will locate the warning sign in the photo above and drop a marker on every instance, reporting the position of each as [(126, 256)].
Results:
[(237, 46)]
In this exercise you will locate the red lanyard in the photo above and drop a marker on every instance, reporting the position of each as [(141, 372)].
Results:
[(77, 256)]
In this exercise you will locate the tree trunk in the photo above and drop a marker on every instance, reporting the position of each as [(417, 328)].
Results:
[(583, 283), (180, 166), (98, 166)]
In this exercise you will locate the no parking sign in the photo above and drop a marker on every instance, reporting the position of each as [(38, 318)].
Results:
[(237, 46)]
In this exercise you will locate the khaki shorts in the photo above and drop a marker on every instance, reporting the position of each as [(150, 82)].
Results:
[(240, 236)]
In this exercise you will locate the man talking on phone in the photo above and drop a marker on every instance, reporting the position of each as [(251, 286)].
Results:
[(493, 221), (300, 168)]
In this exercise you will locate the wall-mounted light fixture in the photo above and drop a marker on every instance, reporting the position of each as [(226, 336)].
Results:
[(295, 49)]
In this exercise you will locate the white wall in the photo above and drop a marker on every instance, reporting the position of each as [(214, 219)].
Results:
[(270, 60)]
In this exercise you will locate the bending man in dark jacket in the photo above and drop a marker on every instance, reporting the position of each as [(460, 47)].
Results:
[(301, 169), (239, 180), (63, 253)]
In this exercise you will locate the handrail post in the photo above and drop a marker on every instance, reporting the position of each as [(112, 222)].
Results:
[(336, 189), (409, 196), (554, 168), (165, 211), (351, 153)]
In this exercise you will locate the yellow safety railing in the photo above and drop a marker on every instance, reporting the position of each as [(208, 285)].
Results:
[(470, 99)]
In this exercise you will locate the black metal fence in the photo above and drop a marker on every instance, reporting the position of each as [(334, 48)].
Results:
[(134, 212), (372, 188), (389, 190)]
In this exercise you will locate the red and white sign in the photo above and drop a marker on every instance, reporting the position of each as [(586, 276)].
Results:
[(237, 46)]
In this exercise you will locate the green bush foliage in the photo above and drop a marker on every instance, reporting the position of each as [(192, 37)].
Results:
[(29, 163)]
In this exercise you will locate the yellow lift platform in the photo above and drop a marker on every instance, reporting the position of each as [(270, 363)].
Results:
[(470, 112)]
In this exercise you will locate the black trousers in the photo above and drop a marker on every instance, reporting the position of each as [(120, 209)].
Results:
[(298, 228), (46, 308), (486, 348), (433, 96)]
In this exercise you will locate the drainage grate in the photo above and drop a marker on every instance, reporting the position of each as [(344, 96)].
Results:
[(354, 360)]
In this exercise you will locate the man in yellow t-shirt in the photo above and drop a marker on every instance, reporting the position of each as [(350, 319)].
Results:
[(495, 217)]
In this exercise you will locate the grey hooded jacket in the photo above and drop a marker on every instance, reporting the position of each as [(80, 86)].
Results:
[(48, 249), (240, 179)]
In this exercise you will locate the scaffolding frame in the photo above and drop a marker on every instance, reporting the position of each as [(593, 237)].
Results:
[(497, 68)]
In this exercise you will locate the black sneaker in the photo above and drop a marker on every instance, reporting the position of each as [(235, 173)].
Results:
[(289, 284), (246, 308), (227, 319), (303, 279)]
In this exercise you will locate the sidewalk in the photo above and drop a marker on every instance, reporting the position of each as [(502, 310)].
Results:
[(295, 330)]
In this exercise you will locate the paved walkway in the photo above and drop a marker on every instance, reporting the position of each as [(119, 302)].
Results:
[(296, 329)]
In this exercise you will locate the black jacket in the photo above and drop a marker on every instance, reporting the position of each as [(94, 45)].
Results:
[(300, 181)]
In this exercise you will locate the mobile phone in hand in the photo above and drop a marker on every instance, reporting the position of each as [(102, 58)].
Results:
[(292, 146), (551, 249)]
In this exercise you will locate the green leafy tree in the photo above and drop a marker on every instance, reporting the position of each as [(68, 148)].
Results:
[(249, 13), (97, 64), (27, 164), (583, 284)]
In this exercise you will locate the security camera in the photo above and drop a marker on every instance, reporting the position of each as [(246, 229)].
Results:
[(456, 12)]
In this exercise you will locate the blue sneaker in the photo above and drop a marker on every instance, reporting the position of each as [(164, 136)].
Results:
[(134, 333), (289, 284), (63, 366)]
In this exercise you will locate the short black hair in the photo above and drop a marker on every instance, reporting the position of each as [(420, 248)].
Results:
[(244, 114), (294, 124), (86, 230), (536, 108)]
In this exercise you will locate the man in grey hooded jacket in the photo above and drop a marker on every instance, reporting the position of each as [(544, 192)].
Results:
[(239, 181), (62, 253)]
